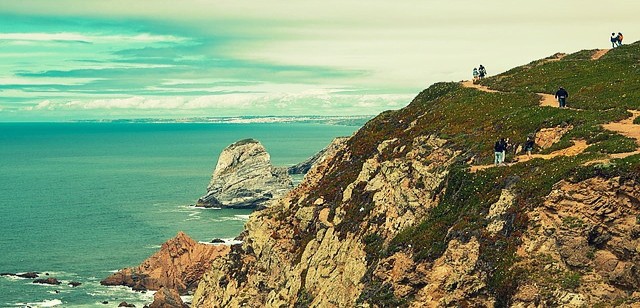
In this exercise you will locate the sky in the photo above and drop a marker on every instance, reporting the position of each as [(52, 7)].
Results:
[(79, 60)]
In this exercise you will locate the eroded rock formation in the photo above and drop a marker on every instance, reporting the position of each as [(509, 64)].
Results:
[(167, 298), (245, 178), (179, 265), (330, 150), (306, 248)]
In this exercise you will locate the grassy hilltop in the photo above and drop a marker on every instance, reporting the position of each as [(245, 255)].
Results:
[(398, 217), (472, 120)]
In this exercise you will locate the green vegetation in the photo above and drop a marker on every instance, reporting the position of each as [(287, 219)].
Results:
[(472, 121), (571, 280), (381, 295), (304, 299), (572, 222), (609, 82)]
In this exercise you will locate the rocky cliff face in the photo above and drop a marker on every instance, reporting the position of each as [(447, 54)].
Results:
[(395, 217), (311, 248), (245, 178), (179, 265), (305, 166)]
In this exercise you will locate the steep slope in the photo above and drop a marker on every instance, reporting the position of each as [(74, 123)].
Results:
[(396, 218)]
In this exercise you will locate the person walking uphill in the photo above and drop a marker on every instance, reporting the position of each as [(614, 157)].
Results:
[(562, 95)]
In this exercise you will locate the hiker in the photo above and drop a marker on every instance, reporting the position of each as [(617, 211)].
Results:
[(528, 146), (475, 74), (562, 95), (505, 146), (614, 40), (482, 71), (498, 150), (620, 37)]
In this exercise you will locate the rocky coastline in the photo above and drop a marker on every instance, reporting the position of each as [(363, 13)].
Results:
[(178, 265)]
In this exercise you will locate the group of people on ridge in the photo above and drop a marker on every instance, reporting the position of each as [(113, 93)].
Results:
[(616, 39), (479, 73)]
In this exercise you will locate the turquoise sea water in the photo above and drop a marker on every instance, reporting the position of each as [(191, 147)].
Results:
[(78, 200)]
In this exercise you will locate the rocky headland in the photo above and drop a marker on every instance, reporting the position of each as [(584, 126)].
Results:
[(396, 218), (245, 178), (178, 265)]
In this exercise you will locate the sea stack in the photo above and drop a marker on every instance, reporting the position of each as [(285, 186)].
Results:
[(245, 178)]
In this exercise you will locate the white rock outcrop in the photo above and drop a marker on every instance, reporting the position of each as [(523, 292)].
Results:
[(245, 178)]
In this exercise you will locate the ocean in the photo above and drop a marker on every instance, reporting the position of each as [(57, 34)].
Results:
[(81, 200)]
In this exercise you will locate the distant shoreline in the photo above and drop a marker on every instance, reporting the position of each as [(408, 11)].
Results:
[(338, 120)]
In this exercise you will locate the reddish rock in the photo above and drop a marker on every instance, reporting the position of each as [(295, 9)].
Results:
[(178, 265), (125, 304), (167, 298)]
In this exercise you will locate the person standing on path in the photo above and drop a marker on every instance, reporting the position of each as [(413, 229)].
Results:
[(482, 71), (614, 40), (498, 151), (475, 74), (528, 146), (562, 95), (620, 37), (505, 146)]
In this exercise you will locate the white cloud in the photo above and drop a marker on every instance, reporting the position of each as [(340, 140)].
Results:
[(22, 81), (89, 38), (309, 103)]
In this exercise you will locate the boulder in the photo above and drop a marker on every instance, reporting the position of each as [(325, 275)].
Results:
[(178, 265), (217, 241), (50, 280), (125, 304), (28, 275), (74, 284), (245, 178), (167, 298)]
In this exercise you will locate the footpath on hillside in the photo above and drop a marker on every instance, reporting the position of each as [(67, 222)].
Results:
[(624, 127)]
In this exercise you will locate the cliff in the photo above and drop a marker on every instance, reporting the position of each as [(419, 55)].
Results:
[(179, 265), (245, 178), (411, 212), (306, 165)]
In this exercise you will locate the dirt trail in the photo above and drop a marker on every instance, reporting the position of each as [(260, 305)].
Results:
[(578, 147), (599, 53), (545, 99), (628, 129), (624, 127), (548, 100), (470, 84)]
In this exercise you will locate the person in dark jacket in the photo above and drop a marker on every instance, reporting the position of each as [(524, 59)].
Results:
[(498, 150), (562, 95), (528, 146), (482, 71), (620, 37), (614, 40)]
